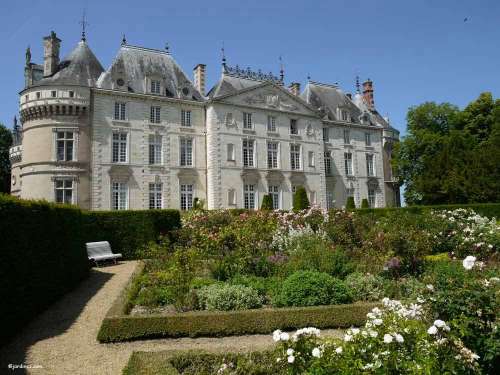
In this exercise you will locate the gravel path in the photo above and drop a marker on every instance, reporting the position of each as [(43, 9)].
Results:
[(62, 340)]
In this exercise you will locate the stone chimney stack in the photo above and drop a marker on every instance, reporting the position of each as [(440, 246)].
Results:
[(51, 45), (368, 94), (295, 88), (199, 78)]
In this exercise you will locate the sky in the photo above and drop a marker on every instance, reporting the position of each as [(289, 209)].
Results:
[(413, 51)]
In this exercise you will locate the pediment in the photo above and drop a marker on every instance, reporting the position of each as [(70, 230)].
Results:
[(270, 96)]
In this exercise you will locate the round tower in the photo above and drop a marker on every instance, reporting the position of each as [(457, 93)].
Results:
[(54, 109)]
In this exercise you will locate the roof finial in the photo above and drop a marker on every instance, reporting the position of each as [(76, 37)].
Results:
[(308, 77), (124, 40), (357, 84), (223, 52), (28, 56), (84, 24), (167, 48), (282, 70)]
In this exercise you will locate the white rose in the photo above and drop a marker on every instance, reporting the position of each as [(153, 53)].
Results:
[(291, 359), (316, 352), (387, 338), (276, 335), (439, 323), (284, 336), (468, 262), (399, 338), (347, 338), (338, 350), (290, 351), (432, 330), (377, 322)]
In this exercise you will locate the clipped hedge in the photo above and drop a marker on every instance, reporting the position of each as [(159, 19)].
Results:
[(491, 210), (42, 257), (127, 231)]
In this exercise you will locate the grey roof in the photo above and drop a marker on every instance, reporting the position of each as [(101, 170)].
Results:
[(229, 84), (80, 67), (327, 98), (134, 64), (375, 117)]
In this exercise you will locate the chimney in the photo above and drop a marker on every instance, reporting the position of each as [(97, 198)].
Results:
[(295, 88), (349, 95), (51, 46), (199, 78), (368, 94)]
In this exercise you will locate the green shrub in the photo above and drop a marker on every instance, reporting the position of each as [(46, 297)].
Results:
[(350, 205), (226, 297), (155, 296), (42, 255), (365, 287), (300, 200), (267, 202), (310, 288), (364, 203)]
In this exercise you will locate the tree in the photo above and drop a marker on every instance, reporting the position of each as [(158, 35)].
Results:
[(350, 205), (300, 200), (449, 155), (5, 143), (267, 202)]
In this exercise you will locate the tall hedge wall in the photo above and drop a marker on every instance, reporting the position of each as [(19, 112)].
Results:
[(42, 256)]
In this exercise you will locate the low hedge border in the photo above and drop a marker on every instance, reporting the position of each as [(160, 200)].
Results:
[(118, 326)]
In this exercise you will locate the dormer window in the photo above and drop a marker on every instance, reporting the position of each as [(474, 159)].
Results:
[(71, 94), (38, 95), (53, 93), (344, 115), (155, 87), (185, 118), (293, 127)]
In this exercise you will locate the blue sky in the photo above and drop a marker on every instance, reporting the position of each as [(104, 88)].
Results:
[(414, 51)]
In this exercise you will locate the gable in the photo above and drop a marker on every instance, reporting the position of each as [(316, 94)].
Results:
[(269, 96)]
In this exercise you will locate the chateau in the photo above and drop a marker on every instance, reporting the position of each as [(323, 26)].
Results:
[(141, 135)]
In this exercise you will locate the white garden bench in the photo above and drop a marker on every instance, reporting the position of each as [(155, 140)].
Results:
[(98, 251)]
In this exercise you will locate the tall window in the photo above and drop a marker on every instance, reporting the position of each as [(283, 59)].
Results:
[(186, 197), (274, 192), (64, 191), (347, 136), (249, 196), (155, 149), (119, 147), (65, 146), (155, 195), (271, 123), (294, 157), (328, 163), (155, 87), (368, 139), (154, 116), (272, 155), (120, 111), (248, 152), (370, 167), (186, 152), (119, 196), (293, 127), (326, 136), (247, 120), (329, 200), (348, 163), (344, 115), (185, 118), (230, 152), (310, 158), (372, 195)]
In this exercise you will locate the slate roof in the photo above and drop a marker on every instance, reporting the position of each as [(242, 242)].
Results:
[(230, 85), (80, 67), (134, 64)]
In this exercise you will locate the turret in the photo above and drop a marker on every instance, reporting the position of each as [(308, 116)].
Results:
[(51, 46)]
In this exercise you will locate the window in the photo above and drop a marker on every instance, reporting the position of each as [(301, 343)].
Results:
[(347, 136), (294, 157), (64, 191), (312, 197), (249, 196), (230, 152), (293, 127), (229, 119), (274, 192), (372, 195), (248, 152), (119, 196), (186, 159), (119, 147), (38, 95), (271, 124), (344, 115), (326, 136), (231, 197), (155, 149), (52, 93), (310, 158), (370, 167), (120, 111), (65, 146), (247, 120), (186, 197), (329, 200), (272, 155), (368, 139), (155, 87), (294, 189), (155, 196), (328, 164), (348, 163), (154, 116), (185, 118), (71, 94), (26, 98)]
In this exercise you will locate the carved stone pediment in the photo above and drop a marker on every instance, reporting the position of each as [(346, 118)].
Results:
[(275, 176), (297, 178), (187, 173), (271, 100), (250, 175), (120, 172), (372, 182)]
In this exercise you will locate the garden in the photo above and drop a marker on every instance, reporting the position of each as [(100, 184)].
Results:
[(418, 291)]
